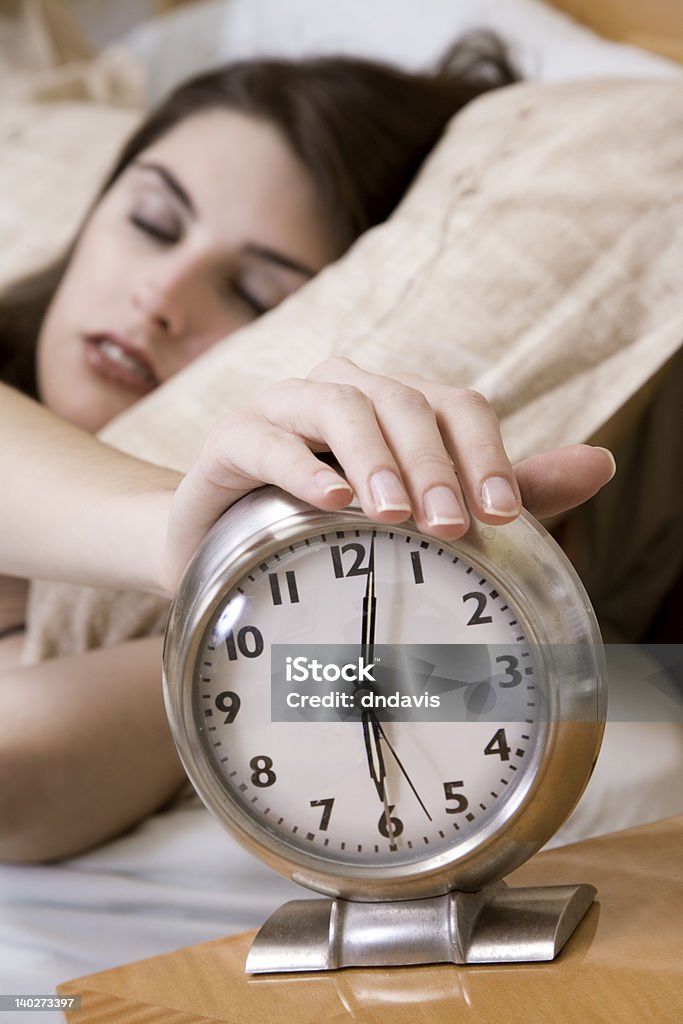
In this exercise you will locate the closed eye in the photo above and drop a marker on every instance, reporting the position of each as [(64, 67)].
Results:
[(148, 227), (256, 306)]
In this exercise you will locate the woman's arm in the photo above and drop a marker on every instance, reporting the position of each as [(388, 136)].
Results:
[(76, 510), (85, 750)]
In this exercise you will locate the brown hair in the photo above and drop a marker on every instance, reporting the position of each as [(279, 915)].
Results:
[(361, 129)]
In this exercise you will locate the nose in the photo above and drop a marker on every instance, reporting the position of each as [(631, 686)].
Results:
[(163, 296)]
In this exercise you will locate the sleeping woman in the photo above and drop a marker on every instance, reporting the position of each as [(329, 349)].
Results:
[(231, 196)]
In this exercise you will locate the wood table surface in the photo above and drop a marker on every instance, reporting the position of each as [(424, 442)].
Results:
[(623, 965)]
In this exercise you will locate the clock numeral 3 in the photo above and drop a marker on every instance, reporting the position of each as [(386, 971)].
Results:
[(514, 677), (263, 774), (462, 802)]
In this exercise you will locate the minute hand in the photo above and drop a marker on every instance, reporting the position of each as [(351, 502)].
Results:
[(371, 732)]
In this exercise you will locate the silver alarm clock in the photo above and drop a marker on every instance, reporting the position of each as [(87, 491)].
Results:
[(393, 721)]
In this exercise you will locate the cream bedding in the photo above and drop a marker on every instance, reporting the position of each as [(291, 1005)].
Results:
[(538, 258)]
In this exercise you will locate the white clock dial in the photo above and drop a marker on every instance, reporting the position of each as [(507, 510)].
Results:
[(492, 640), (308, 782)]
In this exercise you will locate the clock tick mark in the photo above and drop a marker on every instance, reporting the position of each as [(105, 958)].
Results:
[(425, 840), (469, 817), (242, 787), (223, 760), (519, 752), (528, 671), (512, 767), (524, 736), (442, 834), (280, 820), (504, 781), (504, 608), (494, 795), (310, 835), (493, 594)]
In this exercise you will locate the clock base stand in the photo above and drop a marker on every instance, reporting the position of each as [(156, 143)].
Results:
[(498, 924)]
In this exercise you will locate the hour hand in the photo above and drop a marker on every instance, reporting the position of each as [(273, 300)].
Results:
[(373, 749)]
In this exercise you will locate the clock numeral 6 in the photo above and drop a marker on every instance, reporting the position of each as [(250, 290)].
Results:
[(263, 774), (462, 802), (249, 643), (396, 825), (229, 703)]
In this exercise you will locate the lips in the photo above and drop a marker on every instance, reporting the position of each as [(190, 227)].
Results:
[(116, 360)]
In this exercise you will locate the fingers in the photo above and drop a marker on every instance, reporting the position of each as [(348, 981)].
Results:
[(554, 482), (445, 443), (406, 445)]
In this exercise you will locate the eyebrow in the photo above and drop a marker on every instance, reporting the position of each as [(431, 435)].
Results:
[(261, 252), (171, 181)]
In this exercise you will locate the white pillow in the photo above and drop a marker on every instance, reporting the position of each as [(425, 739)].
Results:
[(547, 44)]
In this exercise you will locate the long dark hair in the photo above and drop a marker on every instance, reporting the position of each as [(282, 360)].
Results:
[(361, 129)]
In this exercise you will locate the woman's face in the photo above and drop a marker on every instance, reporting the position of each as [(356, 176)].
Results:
[(210, 227)]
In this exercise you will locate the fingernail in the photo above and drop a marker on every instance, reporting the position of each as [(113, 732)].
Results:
[(388, 492), (329, 481), (442, 508), (610, 456), (498, 497)]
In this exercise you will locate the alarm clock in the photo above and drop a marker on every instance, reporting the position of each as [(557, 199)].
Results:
[(392, 720)]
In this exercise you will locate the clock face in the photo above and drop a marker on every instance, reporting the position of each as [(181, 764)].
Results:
[(456, 763)]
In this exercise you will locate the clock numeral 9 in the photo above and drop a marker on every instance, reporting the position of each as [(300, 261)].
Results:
[(249, 649), (396, 825), (462, 802), (263, 774), (229, 703)]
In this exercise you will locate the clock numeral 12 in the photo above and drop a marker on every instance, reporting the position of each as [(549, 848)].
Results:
[(355, 570)]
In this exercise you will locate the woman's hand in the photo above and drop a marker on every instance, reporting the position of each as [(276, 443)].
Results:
[(407, 446)]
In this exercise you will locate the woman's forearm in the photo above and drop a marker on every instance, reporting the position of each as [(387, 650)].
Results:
[(74, 509)]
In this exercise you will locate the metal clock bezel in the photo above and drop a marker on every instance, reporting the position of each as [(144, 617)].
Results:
[(556, 613)]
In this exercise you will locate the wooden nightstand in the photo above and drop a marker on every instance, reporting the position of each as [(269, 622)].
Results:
[(624, 964)]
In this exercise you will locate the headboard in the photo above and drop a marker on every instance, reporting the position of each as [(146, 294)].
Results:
[(655, 25)]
